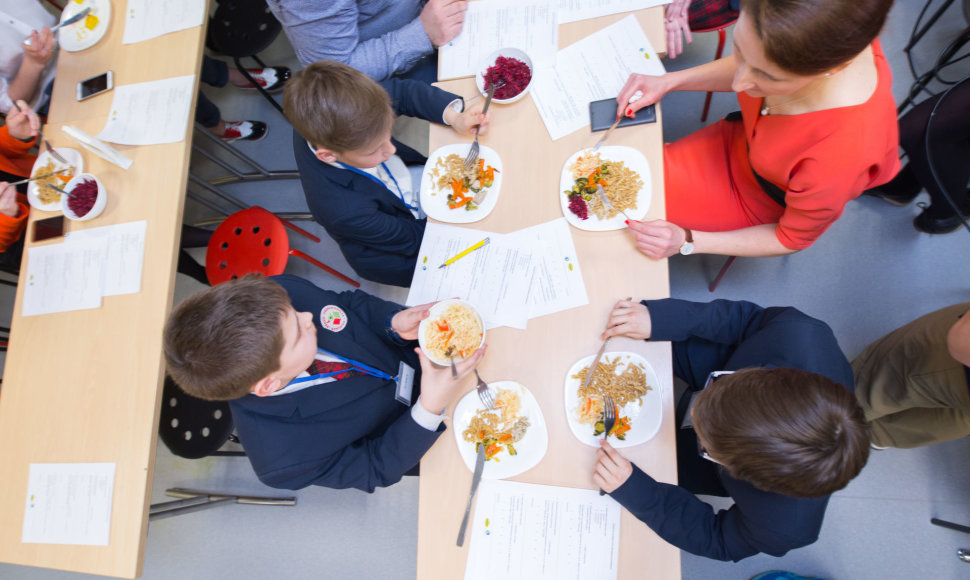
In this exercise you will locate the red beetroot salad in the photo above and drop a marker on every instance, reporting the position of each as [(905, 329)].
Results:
[(83, 197), (513, 72)]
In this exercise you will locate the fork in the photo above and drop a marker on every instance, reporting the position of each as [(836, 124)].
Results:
[(42, 139), (450, 353), (483, 394), (609, 419), (606, 201), (473, 152)]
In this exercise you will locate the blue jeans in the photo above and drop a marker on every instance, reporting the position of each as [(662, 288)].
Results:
[(214, 73)]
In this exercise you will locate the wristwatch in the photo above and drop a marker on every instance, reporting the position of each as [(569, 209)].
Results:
[(687, 248)]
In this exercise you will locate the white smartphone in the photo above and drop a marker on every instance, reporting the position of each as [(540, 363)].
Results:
[(95, 85)]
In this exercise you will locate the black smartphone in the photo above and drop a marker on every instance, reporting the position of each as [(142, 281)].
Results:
[(48, 228), (602, 115)]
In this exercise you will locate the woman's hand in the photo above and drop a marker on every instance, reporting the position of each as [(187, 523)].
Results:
[(467, 121), (676, 23), (612, 469), (630, 319), (658, 238), (41, 47), (437, 386), (651, 88), (405, 323), (8, 200), (23, 123)]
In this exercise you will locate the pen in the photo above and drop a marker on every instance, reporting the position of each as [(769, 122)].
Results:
[(451, 260)]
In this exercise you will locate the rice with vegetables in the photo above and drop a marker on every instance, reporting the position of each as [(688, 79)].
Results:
[(621, 185), (500, 428), (458, 327), (466, 188), (626, 387)]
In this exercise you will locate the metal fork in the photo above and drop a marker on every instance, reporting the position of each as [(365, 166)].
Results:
[(472, 158), (609, 419), (606, 201), (483, 393)]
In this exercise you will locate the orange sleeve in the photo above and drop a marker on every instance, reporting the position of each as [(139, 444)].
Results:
[(11, 228)]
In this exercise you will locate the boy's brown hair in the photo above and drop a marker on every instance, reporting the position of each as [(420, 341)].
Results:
[(337, 107), (220, 341), (783, 430)]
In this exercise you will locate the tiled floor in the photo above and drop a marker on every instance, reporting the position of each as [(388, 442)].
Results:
[(870, 273)]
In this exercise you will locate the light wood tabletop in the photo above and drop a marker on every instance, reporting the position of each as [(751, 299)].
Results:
[(540, 356), (84, 386)]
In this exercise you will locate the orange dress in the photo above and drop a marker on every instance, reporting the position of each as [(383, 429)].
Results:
[(16, 159), (820, 160)]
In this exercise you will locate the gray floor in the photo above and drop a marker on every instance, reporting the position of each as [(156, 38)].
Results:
[(870, 273)]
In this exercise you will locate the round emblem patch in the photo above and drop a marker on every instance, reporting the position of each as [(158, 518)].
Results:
[(333, 318)]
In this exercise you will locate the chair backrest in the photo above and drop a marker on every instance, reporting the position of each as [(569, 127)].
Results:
[(248, 241), (191, 427)]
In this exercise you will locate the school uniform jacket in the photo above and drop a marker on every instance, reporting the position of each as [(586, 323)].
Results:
[(350, 433), (377, 233), (729, 335)]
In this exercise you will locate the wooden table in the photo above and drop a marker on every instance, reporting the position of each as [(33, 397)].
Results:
[(613, 269), (84, 386)]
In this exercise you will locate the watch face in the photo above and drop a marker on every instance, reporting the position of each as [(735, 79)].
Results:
[(687, 248)]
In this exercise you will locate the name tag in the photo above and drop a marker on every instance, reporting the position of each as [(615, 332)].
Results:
[(405, 384)]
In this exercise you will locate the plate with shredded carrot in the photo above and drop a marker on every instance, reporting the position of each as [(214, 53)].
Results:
[(514, 433), (633, 384), (450, 193)]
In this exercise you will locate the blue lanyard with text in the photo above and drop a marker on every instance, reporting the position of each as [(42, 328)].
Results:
[(400, 194), (357, 366)]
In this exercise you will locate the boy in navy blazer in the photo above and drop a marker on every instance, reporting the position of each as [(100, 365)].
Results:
[(779, 435), (250, 342), (355, 186)]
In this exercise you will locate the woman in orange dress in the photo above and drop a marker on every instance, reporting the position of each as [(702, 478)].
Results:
[(817, 127)]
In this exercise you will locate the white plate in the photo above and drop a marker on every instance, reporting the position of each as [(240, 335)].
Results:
[(77, 36), (634, 160), (434, 202), (529, 450), (644, 419), (73, 157), (436, 311)]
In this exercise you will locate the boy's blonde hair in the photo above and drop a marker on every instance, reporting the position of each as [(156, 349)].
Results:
[(337, 107)]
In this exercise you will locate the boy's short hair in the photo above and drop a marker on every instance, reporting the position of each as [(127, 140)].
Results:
[(783, 430), (221, 341), (337, 107)]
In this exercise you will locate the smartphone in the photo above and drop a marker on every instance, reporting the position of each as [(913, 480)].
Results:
[(48, 228), (602, 115), (95, 85)]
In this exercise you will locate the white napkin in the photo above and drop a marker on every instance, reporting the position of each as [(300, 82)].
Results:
[(97, 146)]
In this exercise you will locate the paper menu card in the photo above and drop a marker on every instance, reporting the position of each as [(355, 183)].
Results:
[(146, 19), (124, 255), (540, 532), (592, 69), (69, 503), (573, 10), (530, 26), (150, 113), (63, 277)]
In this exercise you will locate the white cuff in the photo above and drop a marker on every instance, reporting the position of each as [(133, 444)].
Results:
[(458, 105), (424, 417)]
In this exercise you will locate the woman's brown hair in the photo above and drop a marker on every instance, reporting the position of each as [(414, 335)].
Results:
[(335, 106), (810, 37), (783, 430), (220, 341)]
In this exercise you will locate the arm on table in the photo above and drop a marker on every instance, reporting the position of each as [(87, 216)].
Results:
[(662, 239), (713, 76)]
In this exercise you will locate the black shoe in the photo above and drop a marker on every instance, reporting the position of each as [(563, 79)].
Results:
[(932, 225), (244, 131), (898, 199)]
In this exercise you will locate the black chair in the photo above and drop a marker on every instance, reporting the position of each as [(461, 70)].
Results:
[(194, 428)]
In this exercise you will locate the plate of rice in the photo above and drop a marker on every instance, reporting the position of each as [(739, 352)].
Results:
[(452, 324), (451, 194), (633, 384), (625, 176)]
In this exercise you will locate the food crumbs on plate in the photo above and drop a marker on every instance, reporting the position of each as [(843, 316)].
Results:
[(570, 267), (91, 21)]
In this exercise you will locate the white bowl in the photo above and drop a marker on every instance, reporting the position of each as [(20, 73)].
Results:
[(490, 61), (436, 311), (99, 203)]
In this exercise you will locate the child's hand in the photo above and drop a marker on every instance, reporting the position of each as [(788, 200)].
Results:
[(437, 386), (466, 122), (8, 200), (41, 47), (405, 323), (22, 124)]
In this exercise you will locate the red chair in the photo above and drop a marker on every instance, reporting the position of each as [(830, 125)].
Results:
[(253, 240), (720, 275), (711, 16)]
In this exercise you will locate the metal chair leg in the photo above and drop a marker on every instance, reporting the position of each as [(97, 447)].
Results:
[(193, 500), (324, 267), (260, 173), (721, 39), (720, 275)]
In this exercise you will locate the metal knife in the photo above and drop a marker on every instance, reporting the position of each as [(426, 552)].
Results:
[(68, 22), (596, 359), (476, 478), (608, 131)]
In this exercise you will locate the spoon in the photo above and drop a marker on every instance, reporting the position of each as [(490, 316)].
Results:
[(450, 353)]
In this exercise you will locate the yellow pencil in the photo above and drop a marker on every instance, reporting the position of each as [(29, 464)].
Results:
[(451, 260)]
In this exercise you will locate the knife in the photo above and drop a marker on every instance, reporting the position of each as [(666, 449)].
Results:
[(596, 360), (476, 478), (67, 22), (608, 131)]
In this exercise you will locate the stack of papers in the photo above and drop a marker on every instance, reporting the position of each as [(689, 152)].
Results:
[(89, 264), (517, 276)]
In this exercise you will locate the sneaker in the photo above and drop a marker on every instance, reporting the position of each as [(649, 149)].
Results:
[(244, 131), (931, 225), (271, 78)]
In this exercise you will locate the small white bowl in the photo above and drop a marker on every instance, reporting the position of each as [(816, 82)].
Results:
[(436, 311), (490, 61), (99, 203)]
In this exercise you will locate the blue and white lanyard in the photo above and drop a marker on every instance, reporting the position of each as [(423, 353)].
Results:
[(357, 366), (400, 193)]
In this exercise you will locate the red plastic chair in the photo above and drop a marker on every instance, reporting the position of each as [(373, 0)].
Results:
[(721, 30), (253, 240), (711, 16), (720, 275)]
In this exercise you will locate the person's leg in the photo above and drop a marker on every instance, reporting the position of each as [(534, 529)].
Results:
[(207, 114), (214, 72)]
